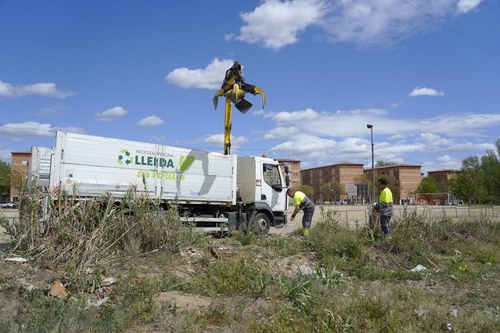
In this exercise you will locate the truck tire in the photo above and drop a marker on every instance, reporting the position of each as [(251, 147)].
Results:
[(259, 224)]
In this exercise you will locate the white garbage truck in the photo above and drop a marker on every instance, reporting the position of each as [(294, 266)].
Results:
[(215, 192)]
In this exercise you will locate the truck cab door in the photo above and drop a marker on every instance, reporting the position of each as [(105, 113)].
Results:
[(272, 189)]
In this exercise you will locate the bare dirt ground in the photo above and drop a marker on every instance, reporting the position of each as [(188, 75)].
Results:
[(16, 278), (19, 275)]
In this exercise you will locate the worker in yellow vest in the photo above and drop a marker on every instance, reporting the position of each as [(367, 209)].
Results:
[(301, 201), (384, 206)]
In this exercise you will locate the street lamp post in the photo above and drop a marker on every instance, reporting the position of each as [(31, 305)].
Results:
[(373, 164)]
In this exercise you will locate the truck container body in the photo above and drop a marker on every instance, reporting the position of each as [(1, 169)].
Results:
[(212, 190), (40, 165), (88, 166)]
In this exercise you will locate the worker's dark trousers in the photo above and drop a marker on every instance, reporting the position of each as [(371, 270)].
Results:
[(307, 217), (385, 224)]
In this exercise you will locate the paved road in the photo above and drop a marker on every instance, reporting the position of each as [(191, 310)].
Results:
[(357, 216), (353, 215)]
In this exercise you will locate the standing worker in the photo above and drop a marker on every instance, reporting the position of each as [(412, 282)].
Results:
[(301, 201), (384, 206)]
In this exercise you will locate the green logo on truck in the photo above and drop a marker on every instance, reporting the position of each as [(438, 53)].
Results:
[(126, 158)]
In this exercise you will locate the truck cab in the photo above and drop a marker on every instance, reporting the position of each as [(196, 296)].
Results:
[(262, 192)]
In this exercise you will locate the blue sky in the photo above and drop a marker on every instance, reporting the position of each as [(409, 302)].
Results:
[(425, 73)]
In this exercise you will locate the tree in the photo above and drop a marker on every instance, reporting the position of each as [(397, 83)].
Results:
[(479, 178), (307, 189), (491, 173), (384, 163), (332, 190), (443, 186), (428, 187), (463, 186), (4, 180)]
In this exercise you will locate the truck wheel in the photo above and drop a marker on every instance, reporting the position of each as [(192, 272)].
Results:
[(260, 224)]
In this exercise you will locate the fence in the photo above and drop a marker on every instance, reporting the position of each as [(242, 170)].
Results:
[(360, 216)]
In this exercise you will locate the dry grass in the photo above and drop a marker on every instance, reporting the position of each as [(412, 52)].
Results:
[(339, 280)]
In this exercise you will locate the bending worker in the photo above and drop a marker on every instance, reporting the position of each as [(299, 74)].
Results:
[(301, 201)]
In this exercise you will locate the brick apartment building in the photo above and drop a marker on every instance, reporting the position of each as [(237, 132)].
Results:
[(442, 176), (351, 176), (408, 175), (347, 174), (19, 171), (293, 171)]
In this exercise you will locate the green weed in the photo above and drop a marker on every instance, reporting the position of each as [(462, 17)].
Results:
[(358, 281)]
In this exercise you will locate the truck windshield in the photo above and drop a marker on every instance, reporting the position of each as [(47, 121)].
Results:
[(272, 175)]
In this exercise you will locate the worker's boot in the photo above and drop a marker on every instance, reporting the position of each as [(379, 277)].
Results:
[(305, 234)]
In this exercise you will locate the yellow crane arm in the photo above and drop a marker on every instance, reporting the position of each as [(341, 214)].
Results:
[(234, 89)]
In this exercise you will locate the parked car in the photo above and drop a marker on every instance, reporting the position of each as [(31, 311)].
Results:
[(454, 202), (8, 205)]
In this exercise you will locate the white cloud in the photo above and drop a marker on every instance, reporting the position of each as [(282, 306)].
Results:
[(40, 89), (340, 136), (307, 114), (218, 140), (20, 131), (342, 123), (210, 77), (370, 23), (464, 6), (461, 125), (442, 162), (305, 142), (280, 132), (17, 131), (449, 162), (109, 114), (347, 123), (425, 92), (276, 24), (150, 121), (5, 155), (430, 139)]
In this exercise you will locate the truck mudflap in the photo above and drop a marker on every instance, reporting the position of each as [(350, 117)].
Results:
[(237, 220)]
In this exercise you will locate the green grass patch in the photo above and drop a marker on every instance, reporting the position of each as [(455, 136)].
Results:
[(338, 280)]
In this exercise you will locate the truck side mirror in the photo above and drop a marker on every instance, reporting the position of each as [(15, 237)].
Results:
[(277, 188), (287, 180)]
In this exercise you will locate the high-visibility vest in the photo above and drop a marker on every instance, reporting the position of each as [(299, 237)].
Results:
[(298, 198), (385, 196)]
